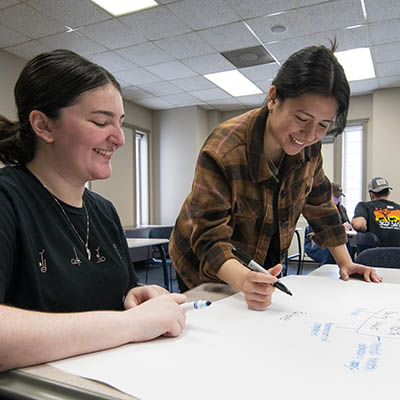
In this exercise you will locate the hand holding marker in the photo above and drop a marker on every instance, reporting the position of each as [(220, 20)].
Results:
[(251, 264)]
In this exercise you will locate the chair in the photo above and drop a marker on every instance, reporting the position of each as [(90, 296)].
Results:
[(366, 240), (160, 252), (384, 257), (298, 255)]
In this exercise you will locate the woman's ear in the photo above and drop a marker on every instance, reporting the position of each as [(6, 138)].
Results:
[(41, 125), (272, 97)]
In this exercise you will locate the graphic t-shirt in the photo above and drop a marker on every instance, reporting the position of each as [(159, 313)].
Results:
[(383, 219)]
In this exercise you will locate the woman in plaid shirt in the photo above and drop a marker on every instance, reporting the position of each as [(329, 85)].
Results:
[(257, 173)]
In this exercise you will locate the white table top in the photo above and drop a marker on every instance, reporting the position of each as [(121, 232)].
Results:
[(143, 242), (389, 275)]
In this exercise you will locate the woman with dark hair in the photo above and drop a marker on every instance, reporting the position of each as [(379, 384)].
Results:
[(257, 173), (67, 285)]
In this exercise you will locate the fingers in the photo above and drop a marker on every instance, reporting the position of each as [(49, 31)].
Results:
[(258, 289), (343, 274), (179, 298), (275, 270)]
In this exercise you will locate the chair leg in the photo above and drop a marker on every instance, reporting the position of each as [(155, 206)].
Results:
[(165, 267)]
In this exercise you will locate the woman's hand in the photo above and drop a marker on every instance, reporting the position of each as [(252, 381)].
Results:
[(161, 315), (140, 294), (369, 274), (258, 289)]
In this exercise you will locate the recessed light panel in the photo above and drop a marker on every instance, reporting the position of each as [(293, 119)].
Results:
[(357, 63), (122, 7), (234, 83)]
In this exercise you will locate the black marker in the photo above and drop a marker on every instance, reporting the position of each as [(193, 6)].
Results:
[(251, 264)]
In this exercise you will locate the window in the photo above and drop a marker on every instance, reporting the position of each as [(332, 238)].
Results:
[(142, 178), (352, 166)]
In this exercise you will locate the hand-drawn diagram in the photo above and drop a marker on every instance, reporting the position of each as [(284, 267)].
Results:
[(384, 323)]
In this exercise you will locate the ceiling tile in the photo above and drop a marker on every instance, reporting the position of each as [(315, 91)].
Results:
[(295, 21), (385, 32), (181, 99), (160, 88), (156, 23), (133, 93), (145, 54), (257, 8), (171, 70), (304, 3), (387, 52), (155, 103), (112, 34), (209, 63), (185, 46), (8, 3), (346, 38), (73, 13), (283, 49), (260, 72), (73, 41), (137, 76), (9, 37), (229, 37), (111, 61), (28, 21), (193, 83), (28, 50), (211, 94), (381, 10), (255, 100), (200, 14), (364, 86), (390, 81), (390, 68)]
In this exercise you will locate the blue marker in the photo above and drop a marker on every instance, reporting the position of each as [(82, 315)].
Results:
[(196, 305)]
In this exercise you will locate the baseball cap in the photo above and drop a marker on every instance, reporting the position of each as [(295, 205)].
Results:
[(337, 190), (378, 184)]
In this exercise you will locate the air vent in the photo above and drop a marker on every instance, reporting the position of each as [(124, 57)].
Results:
[(248, 57)]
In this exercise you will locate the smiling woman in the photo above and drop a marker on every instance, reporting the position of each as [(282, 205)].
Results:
[(257, 173), (61, 267)]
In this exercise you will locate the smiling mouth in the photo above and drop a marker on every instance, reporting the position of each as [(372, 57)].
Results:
[(107, 153), (297, 141)]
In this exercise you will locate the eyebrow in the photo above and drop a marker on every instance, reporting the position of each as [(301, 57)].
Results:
[(312, 116), (108, 113)]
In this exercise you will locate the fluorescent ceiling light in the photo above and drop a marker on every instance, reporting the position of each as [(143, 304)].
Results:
[(357, 63), (234, 83), (122, 7)]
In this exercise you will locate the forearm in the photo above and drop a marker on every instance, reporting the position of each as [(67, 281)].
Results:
[(28, 338), (233, 273), (341, 255)]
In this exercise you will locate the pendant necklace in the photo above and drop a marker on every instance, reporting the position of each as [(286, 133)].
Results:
[(275, 169), (86, 244)]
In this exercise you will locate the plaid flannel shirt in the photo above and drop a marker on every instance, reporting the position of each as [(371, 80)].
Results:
[(231, 202)]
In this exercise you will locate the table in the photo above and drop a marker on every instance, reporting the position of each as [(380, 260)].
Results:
[(135, 243), (46, 382)]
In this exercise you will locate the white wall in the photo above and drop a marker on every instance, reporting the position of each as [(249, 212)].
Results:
[(10, 67), (177, 138)]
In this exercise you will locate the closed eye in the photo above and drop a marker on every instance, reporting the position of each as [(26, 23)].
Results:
[(100, 124), (300, 119)]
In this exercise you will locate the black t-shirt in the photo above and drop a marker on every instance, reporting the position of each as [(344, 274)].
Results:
[(383, 219), (44, 265)]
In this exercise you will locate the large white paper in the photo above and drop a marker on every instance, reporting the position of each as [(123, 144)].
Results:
[(331, 338)]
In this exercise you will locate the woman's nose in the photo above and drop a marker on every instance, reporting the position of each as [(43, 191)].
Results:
[(118, 137)]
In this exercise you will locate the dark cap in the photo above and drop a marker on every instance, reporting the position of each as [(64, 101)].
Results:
[(378, 184), (337, 190)]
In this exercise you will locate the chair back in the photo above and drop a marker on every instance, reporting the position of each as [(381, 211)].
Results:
[(161, 232), (366, 240), (384, 257)]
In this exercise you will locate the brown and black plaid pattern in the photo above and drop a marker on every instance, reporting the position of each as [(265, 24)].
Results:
[(231, 203)]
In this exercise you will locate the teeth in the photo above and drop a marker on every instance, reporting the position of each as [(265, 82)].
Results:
[(297, 141), (103, 152)]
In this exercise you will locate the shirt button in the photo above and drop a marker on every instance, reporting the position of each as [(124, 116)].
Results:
[(285, 224)]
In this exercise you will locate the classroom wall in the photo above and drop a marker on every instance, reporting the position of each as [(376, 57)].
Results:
[(177, 136)]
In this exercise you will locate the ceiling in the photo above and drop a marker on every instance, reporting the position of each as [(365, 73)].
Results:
[(160, 55)]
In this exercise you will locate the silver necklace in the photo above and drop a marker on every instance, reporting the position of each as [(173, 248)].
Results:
[(86, 244)]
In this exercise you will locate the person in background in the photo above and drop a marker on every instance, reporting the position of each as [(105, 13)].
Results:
[(256, 174), (379, 216), (323, 255), (67, 284)]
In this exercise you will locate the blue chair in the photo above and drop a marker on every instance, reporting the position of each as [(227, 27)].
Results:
[(384, 257), (366, 240)]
